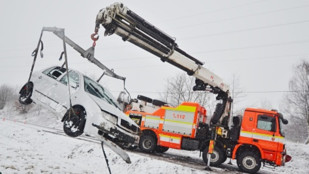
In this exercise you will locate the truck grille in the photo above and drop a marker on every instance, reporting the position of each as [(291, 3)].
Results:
[(131, 127)]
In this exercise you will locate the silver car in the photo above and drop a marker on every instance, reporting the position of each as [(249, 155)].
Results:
[(94, 110)]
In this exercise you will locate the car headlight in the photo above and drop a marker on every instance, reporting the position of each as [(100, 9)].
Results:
[(111, 118)]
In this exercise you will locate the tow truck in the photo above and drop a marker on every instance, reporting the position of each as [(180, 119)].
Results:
[(254, 138)]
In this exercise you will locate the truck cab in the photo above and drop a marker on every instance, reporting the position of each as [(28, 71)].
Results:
[(261, 133)]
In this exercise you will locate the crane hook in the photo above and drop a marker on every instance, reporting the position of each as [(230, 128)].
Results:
[(94, 37)]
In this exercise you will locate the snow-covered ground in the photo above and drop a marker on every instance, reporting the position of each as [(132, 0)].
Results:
[(25, 148)]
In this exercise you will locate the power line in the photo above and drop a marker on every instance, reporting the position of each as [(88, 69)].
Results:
[(246, 29), (243, 16), (216, 10), (256, 46)]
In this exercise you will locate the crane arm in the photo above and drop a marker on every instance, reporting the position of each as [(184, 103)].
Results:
[(120, 20)]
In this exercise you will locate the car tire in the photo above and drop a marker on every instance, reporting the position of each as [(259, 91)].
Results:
[(25, 94), (161, 149), (74, 121), (147, 143), (249, 161), (217, 157)]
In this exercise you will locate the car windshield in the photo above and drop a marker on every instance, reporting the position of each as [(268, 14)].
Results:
[(97, 90)]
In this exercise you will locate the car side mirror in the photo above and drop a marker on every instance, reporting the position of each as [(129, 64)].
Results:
[(123, 97)]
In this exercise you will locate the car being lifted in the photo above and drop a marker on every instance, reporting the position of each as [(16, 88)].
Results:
[(93, 106)]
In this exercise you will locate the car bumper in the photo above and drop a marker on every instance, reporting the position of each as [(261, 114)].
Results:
[(117, 135)]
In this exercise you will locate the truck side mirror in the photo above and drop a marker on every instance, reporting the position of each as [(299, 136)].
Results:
[(285, 121)]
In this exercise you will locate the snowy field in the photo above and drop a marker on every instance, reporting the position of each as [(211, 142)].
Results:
[(25, 148)]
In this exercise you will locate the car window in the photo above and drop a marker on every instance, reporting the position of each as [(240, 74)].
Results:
[(95, 89), (73, 78), (266, 122), (54, 72)]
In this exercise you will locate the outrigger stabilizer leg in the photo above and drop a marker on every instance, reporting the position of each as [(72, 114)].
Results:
[(211, 147)]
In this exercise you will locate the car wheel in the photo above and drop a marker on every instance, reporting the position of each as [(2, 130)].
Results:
[(161, 149), (147, 143), (74, 121), (249, 161), (25, 94), (216, 158)]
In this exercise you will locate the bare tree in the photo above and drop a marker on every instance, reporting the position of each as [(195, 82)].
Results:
[(6, 94), (298, 100), (179, 89), (237, 94)]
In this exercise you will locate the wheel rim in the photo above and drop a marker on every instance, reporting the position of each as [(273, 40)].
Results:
[(26, 93), (147, 144), (72, 124), (249, 162), (214, 157)]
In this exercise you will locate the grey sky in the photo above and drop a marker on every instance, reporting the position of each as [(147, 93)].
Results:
[(258, 41)]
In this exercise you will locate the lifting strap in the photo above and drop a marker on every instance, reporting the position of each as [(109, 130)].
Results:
[(35, 54)]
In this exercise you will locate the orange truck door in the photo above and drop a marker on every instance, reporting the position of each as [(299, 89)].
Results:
[(265, 135)]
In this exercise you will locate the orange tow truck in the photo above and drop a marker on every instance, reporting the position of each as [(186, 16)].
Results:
[(253, 139)]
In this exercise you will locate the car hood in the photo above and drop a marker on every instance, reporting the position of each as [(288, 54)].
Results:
[(111, 109)]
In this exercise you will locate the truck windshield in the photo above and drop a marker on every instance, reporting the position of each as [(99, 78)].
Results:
[(97, 90)]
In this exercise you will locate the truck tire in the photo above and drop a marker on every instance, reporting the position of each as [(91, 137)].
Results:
[(216, 158), (25, 94), (249, 161), (147, 143), (161, 149), (74, 124)]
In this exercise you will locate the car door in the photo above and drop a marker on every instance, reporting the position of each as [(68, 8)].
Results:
[(61, 91), (44, 84)]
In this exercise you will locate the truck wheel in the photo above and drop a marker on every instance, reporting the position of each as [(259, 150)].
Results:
[(216, 158), (249, 162), (73, 124), (161, 149), (25, 94), (147, 143)]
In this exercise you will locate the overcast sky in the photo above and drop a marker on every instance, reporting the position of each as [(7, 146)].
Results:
[(257, 41)]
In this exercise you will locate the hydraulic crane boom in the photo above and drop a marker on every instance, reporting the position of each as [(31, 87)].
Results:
[(131, 27)]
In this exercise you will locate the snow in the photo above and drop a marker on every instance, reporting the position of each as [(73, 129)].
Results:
[(28, 148)]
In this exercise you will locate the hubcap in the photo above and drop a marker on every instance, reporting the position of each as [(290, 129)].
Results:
[(147, 144), (72, 124), (26, 94), (249, 162), (214, 156)]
